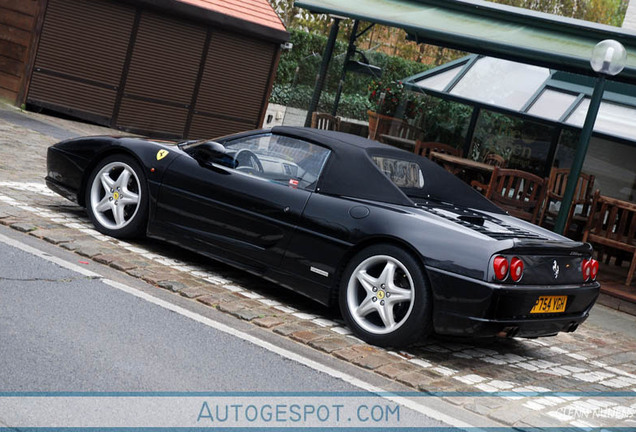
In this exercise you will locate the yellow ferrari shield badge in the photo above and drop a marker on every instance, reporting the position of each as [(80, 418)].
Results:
[(162, 154)]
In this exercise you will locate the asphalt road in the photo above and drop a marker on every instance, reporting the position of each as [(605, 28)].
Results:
[(61, 331)]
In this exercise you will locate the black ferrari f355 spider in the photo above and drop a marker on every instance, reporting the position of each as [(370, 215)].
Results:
[(405, 247)]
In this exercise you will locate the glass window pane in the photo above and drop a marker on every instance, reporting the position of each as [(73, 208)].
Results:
[(501, 82), (405, 174), (280, 159), (612, 118), (552, 104), (522, 143), (610, 162), (439, 81), (444, 121)]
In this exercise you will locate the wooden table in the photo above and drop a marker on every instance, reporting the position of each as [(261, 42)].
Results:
[(403, 143), (468, 170), (456, 164)]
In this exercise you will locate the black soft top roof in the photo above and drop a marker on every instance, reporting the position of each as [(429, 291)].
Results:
[(351, 171)]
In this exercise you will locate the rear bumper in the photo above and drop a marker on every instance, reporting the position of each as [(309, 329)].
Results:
[(474, 308)]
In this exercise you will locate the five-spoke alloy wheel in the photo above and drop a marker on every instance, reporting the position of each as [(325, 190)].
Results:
[(384, 296), (116, 197)]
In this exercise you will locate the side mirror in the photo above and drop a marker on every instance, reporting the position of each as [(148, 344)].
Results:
[(214, 152)]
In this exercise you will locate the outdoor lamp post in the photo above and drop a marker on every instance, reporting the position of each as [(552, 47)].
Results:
[(608, 58)]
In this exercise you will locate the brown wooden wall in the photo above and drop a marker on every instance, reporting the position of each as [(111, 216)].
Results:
[(234, 84), (17, 27), (162, 75), (80, 58), (145, 71)]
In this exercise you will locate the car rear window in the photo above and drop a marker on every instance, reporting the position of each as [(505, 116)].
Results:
[(403, 173)]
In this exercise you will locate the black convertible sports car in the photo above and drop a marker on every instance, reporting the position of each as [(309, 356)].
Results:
[(404, 246)]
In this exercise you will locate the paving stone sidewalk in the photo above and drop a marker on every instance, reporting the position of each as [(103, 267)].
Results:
[(550, 382)]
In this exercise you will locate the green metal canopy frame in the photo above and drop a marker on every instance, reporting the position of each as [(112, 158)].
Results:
[(487, 28)]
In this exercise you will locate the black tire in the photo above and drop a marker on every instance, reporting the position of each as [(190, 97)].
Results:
[(123, 212), (362, 305)]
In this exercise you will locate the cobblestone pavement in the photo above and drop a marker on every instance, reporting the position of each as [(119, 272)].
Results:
[(584, 364)]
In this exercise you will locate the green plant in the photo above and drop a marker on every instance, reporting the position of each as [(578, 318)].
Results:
[(392, 99), (351, 105), (444, 121)]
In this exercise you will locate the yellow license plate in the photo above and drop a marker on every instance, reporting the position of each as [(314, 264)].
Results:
[(550, 304)]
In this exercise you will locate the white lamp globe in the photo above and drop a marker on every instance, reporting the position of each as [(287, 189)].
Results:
[(608, 57)]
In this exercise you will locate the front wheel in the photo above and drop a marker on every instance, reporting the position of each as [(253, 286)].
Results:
[(117, 197), (384, 296)]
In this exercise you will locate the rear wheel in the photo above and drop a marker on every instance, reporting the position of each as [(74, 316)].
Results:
[(384, 296), (117, 197)]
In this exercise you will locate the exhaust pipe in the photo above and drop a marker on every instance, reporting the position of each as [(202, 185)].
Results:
[(508, 332)]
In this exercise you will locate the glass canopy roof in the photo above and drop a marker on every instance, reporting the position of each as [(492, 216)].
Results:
[(532, 90), (492, 29)]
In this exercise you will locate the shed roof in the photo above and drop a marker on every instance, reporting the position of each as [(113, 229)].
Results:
[(487, 28), (255, 17), (256, 11)]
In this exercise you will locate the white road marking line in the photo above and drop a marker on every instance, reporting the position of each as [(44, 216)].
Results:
[(304, 316), (593, 376), (269, 302), (250, 295), (286, 309), (233, 288), (40, 188), (290, 355), (470, 379), (422, 363), (446, 371), (33, 251), (341, 330), (577, 356), (323, 322)]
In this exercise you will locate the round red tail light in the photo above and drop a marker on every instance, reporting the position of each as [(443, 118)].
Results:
[(586, 268), (500, 265), (593, 269), (516, 269)]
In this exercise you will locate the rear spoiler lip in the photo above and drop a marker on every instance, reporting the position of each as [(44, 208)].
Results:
[(550, 247)]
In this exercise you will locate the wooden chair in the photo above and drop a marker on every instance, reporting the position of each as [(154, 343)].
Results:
[(405, 130), (424, 149), (495, 160), (612, 223), (401, 134), (582, 198), (325, 121), (520, 193), (492, 159), (384, 125)]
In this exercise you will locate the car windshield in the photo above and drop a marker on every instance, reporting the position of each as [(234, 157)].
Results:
[(278, 158)]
